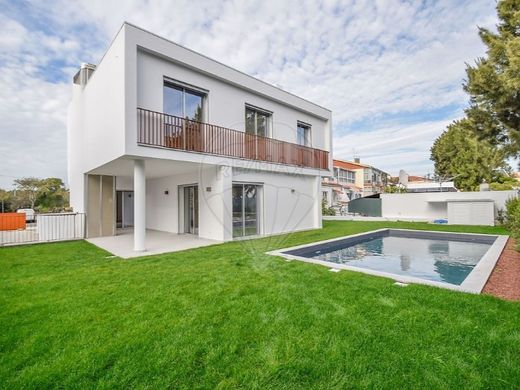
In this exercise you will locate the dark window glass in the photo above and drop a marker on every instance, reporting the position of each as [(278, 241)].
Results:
[(238, 226), (261, 124), (250, 214), (173, 100), (181, 102), (193, 106), (257, 122), (303, 135), (250, 121), (245, 210)]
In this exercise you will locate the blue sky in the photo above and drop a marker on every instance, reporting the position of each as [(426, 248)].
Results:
[(391, 71)]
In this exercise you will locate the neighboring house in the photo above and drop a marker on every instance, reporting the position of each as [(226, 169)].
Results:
[(164, 138), (374, 180), (413, 183), (341, 188), (352, 180)]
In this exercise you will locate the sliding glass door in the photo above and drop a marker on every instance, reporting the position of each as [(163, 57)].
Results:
[(191, 209), (245, 210)]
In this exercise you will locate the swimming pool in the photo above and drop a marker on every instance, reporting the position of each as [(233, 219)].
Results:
[(457, 261)]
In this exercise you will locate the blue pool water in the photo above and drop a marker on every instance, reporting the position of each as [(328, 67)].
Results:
[(445, 258)]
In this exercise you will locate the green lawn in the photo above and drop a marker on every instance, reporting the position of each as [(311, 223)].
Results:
[(229, 316)]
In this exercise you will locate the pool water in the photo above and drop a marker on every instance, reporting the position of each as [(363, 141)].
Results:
[(439, 260), (447, 258)]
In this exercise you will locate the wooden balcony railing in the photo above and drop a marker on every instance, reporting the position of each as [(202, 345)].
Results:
[(168, 131)]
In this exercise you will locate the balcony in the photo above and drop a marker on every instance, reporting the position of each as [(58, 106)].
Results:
[(172, 132)]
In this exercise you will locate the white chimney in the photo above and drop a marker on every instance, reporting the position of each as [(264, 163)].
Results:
[(403, 178), (84, 73)]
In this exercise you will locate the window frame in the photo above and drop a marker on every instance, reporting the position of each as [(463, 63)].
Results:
[(307, 136), (348, 177), (259, 188), (193, 90), (258, 110)]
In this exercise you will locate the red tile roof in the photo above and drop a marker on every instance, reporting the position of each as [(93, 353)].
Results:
[(417, 178), (347, 165)]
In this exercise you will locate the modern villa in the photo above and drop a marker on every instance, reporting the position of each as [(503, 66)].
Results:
[(161, 138)]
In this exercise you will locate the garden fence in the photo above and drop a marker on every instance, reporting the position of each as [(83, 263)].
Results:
[(21, 228)]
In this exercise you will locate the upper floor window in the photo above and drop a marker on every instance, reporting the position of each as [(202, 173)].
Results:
[(183, 102), (344, 175), (368, 176), (303, 134), (258, 122)]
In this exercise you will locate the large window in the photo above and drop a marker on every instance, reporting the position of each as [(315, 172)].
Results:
[(303, 134), (258, 122), (368, 176), (345, 176), (245, 210), (182, 102)]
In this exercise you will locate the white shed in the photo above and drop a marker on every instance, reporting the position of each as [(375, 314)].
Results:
[(471, 212)]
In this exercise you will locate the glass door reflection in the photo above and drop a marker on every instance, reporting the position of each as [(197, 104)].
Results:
[(245, 210)]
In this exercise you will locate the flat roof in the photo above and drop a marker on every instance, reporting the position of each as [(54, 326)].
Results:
[(458, 200), (222, 64)]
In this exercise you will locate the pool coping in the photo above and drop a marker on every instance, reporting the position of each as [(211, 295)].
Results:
[(474, 282)]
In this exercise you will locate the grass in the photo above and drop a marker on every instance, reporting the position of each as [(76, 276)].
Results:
[(228, 316)]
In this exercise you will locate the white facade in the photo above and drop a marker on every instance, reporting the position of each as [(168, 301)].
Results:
[(481, 212), (105, 138), (478, 208), (448, 186)]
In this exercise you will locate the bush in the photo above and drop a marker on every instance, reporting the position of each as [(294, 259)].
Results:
[(501, 217), (512, 219), (501, 186), (325, 209), (395, 189)]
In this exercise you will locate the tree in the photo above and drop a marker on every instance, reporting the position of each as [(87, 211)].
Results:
[(26, 191), (52, 194), (43, 194), (458, 152), (325, 209), (505, 186), (493, 83), (394, 189), (5, 197)]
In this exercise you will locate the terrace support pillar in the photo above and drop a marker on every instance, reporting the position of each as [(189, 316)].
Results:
[(139, 205)]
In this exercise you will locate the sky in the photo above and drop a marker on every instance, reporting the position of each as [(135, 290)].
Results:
[(391, 71)]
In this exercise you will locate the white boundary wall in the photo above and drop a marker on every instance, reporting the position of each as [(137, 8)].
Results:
[(60, 226), (430, 206)]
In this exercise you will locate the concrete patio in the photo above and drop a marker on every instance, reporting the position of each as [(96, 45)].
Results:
[(157, 242)]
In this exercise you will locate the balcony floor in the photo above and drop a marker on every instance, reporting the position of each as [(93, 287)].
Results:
[(157, 242)]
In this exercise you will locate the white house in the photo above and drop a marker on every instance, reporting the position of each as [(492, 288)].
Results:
[(162, 138), (418, 184)]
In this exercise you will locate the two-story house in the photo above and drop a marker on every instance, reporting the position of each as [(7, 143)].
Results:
[(351, 180), (161, 138), (341, 187)]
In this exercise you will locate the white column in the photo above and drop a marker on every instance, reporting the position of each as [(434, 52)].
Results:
[(139, 205), (226, 176), (318, 224)]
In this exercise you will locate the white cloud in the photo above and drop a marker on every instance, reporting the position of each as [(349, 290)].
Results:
[(393, 147), (364, 60), (13, 34)]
